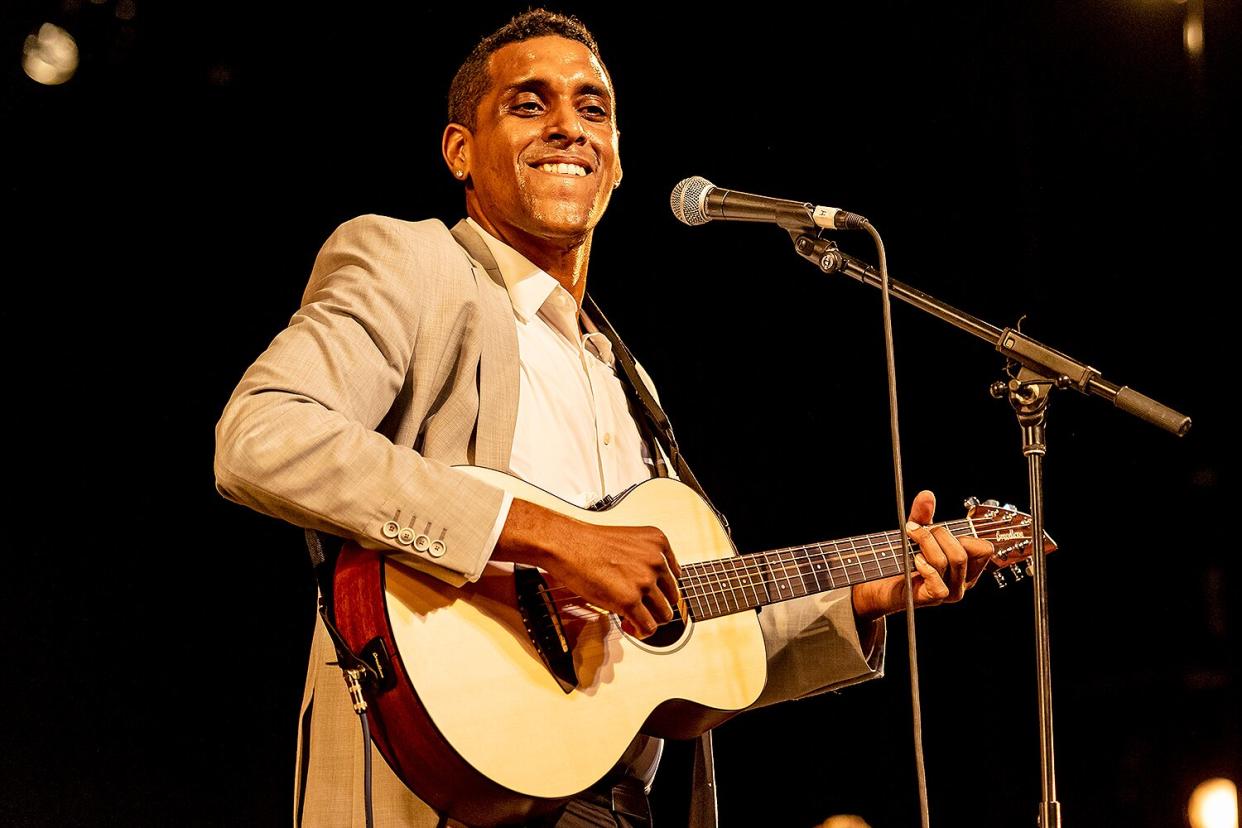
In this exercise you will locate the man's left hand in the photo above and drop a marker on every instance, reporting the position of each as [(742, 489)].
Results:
[(945, 567)]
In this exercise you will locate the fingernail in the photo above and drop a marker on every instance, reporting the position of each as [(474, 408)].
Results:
[(911, 526)]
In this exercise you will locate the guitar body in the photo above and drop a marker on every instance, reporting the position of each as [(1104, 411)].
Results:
[(475, 722)]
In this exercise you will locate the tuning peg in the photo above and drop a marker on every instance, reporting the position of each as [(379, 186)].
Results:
[(970, 503), (991, 502), (1001, 583), (1017, 572)]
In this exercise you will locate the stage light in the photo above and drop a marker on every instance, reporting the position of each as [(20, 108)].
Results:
[(1214, 804), (51, 56), (844, 821), (1192, 35)]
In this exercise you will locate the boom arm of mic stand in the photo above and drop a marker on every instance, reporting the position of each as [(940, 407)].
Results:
[(1064, 370)]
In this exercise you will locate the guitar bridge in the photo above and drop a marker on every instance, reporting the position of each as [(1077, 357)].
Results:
[(543, 625)]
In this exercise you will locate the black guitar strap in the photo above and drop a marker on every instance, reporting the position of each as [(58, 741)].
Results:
[(703, 812), (644, 402)]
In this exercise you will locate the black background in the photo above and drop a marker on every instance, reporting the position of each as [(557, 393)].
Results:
[(1066, 161)]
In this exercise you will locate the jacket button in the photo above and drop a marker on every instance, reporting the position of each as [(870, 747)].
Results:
[(422, 542), (437, 549), (391, 529), (406, 536)]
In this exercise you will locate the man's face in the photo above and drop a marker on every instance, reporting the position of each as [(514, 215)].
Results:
[(543, 156)]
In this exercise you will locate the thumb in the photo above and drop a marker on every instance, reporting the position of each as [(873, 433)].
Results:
[(923, 510)]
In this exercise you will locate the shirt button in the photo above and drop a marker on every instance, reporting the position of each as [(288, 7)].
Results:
[(607, 438)]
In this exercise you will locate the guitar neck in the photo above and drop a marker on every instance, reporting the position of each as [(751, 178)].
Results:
[(727, 585)]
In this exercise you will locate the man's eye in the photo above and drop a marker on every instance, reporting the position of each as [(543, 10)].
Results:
[(527, 107), (594, 111)]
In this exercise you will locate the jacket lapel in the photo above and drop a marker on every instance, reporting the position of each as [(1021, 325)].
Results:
[(498, 359)]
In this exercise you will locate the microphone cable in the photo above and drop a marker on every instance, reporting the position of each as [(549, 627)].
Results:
[(907, 554)]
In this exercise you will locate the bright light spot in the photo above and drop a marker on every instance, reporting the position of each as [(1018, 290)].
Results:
[(1192, 35), (51, 56), (1214, 804), (844, 821)]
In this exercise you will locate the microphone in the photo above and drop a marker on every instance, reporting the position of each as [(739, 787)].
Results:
[(697, 201)]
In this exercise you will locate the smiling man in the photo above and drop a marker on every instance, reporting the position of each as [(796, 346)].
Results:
[(418, 347)]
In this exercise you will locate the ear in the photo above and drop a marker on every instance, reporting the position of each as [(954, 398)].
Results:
[(617, 163), (456, 146)]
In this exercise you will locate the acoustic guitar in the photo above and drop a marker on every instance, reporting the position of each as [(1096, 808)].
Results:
[(498, 700)]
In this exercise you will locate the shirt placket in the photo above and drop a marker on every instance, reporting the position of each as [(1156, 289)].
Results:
[(563, 314)]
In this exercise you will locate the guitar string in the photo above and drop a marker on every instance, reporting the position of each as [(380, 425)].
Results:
[(757, 562), (863, 559), (615, 632)]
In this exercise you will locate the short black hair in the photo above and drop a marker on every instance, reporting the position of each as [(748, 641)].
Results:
[(472, 80)]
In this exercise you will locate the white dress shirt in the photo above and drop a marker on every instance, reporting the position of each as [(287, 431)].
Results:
[(576, 438)]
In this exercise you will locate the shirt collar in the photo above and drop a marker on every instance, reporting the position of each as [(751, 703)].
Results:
[(528, 286), (531, 289)]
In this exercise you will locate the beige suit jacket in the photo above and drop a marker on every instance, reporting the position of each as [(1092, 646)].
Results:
[(401, 362)]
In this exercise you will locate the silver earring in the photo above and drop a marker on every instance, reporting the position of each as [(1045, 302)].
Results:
[(460, 173), (616, 184)]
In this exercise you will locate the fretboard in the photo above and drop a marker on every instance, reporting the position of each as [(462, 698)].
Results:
[(728, 585)]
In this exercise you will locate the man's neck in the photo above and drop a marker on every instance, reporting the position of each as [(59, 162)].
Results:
[(565, 260)]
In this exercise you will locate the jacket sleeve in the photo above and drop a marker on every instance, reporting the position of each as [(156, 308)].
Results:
[(814, 646), (297, 438)]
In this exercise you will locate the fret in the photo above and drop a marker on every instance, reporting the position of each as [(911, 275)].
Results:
[(799, 558), (748, 574), (777, 585), (852, 560), (788, 585), (690, 592), (879, 567), (891, 552), (724, 587), (709, 590), (890, 555), (739, 577), (815, 566), (763, 569)]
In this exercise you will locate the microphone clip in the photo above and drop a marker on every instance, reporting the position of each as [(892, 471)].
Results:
[(823, 253)]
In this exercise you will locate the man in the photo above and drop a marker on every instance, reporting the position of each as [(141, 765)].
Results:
[(416, 349)]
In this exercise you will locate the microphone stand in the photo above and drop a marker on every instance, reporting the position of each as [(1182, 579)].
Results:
[(1041, 370)]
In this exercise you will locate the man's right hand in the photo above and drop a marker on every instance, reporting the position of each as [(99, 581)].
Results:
[(629, 570)]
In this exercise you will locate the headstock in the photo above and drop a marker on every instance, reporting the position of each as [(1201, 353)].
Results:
[(1011, 534)]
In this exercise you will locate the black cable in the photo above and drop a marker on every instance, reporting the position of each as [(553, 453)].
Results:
[(366, 766), (908, 557)]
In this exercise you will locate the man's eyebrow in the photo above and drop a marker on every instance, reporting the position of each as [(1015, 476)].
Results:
[(541, 86)]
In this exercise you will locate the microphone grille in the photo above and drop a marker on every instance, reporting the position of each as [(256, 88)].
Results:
[(687, 200)]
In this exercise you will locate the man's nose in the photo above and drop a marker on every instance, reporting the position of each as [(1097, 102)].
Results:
[(564, 126)]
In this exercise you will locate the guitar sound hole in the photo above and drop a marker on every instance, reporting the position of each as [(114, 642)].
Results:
[(666, 635)]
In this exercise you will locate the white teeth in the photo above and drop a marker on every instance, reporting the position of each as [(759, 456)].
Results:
[(563, 169)]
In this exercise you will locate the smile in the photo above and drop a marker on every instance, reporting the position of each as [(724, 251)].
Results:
[(563, 169)]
